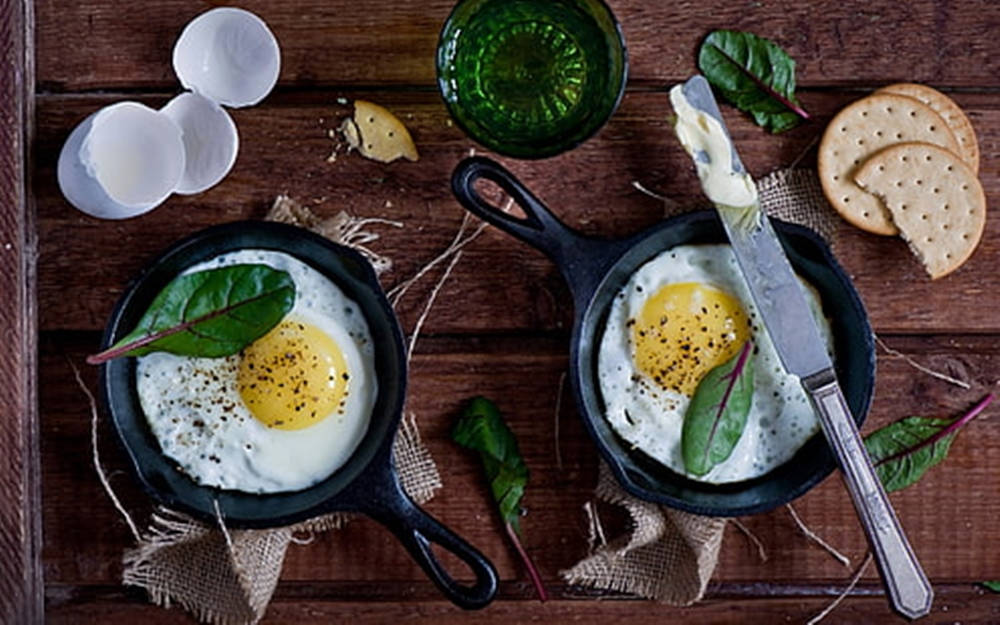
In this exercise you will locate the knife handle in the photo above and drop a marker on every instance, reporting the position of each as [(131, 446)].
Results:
[(909, 591)]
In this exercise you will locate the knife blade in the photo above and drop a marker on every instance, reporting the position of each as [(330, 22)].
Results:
[(764, 265), (788, 320)]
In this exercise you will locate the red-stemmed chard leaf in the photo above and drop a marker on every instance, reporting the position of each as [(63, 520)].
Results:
[(717, 415), (482, 429), (903, 451), (755, 75), (211, 313)]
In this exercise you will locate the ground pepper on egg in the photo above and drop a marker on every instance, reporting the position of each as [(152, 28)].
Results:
[(683, 331), (677, 317)]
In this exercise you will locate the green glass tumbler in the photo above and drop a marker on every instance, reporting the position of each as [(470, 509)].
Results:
[(531, 78)]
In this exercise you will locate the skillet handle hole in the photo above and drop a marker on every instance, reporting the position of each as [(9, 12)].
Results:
[(457, 568), (494, 195)]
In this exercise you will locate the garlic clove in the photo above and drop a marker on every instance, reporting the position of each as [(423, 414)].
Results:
[(211, 141), (228, 55)]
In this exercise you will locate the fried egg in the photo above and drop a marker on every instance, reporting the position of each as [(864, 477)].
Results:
[(680, 315), (284, 413)]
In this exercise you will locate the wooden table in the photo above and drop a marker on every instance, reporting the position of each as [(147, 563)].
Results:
[(500, 326)]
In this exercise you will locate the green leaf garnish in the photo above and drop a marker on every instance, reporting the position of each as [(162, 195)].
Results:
[(211, 313), (755, 75), (903, 451), (993, 585), (482, 429), (717, 415)]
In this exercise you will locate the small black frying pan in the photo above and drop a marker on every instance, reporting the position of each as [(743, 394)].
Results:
[(596, 269), (367, 483)]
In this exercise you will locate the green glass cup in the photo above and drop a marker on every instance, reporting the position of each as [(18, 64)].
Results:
[(531, 78)]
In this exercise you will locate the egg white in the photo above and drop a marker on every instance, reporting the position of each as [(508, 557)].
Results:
[(193, 405), (650, 417)]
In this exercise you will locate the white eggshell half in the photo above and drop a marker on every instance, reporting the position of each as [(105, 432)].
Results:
[(228, 55), (210, 141), (122, 161)]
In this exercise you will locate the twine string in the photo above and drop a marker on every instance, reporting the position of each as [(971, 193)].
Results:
[(95, 454)]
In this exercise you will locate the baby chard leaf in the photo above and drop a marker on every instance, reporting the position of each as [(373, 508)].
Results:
[(755, 75), (717, 415), (992, 585), (211, 313), (903, 451), (482, 429)]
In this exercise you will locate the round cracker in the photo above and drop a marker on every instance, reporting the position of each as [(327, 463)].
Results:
[(952, 114), (860, 130), (935, 200)]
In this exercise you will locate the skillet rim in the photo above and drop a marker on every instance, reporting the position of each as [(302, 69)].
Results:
[(621, 462), (372, 455)]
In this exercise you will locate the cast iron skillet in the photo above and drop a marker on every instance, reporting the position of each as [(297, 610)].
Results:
[(597, 268), (367, 483)]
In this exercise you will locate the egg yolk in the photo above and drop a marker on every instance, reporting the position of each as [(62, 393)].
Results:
[(683, 331), (293, 377)]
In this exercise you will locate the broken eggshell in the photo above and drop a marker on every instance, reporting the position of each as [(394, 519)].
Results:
[(210, 141), (127, 158), (228, 55), (122, 161)]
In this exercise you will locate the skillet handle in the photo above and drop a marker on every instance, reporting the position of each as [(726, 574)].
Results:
[(540, 228), (582, 260), (416, 529)]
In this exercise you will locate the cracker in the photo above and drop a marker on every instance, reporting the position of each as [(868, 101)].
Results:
[(935, 200), (378, 134), (860, 130), (952, 114)]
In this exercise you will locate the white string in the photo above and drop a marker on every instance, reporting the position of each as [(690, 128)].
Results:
[(427, 307), (225, 530), (595, 531), (816, 538), (653, 194), (397, 292), (761, 552), (96, 456), (919, 367), (854, 582)]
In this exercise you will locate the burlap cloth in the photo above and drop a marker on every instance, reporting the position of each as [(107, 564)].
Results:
[(227, 577), (666, 554)]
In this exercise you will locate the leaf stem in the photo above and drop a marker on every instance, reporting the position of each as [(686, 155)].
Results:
[(536, 579), (733, 377), (948, 431), (795, 108), (121, 350)]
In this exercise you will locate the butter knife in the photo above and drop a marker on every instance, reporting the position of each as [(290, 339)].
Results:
[(788, 320)]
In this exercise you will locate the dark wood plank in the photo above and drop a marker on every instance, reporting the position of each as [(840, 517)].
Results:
[(500, 326), (85, 262), (20, 536), (108, 44), (950, 516), (956, 604)]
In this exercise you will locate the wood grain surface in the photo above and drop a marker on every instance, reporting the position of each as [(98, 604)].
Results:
[(501, 324), (20, 530), (332, 43)]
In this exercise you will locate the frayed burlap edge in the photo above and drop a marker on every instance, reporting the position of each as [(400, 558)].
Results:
[(668, 555), (227, 577), (795, 195)]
